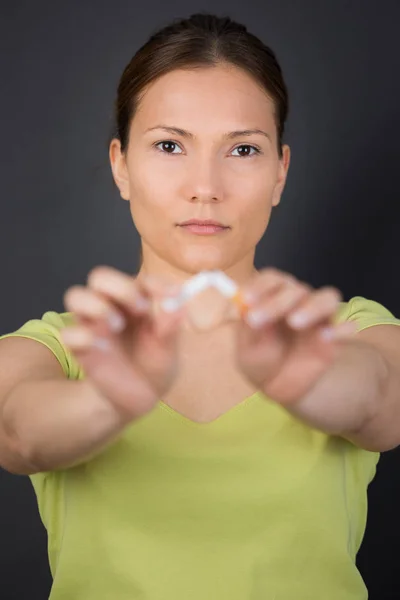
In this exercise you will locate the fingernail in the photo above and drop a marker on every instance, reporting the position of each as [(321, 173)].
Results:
[(327, 333), (257, 318), (102, 344), (117, 322), (170, 305), (299, 319)]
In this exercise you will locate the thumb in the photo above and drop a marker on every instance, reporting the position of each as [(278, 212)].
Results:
[(167, 322)]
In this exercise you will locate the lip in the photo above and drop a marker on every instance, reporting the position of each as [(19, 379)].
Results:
[(203, 222), (204, 229)]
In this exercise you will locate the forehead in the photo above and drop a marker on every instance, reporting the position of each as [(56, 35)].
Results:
[(208, 96)]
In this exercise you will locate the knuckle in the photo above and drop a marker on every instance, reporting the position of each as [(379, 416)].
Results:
[(111, 283), (333, 293), (273, 272), (72, 294), (303, 288), (97, 273), (80, 299)]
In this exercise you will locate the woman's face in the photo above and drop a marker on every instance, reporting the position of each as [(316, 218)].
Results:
[(186, 159)]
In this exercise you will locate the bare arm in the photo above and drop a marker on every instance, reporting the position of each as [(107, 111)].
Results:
[(48, 422), (362, 390)]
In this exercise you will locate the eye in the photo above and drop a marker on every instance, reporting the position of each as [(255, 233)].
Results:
[(167, 146), (245, 150)]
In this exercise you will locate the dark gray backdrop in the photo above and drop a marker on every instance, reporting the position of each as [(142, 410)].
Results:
[(338, 223)]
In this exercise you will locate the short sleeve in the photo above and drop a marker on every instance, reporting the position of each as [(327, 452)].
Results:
[(47, 331), (366, 313)]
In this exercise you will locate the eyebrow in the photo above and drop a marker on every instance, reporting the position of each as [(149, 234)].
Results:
[(229, 136)]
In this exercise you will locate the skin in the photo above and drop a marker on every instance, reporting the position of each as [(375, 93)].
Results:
[(209, 174), (206, 175), (343, 384)]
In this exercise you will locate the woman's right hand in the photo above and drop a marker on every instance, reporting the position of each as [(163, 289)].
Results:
[(127, 351)]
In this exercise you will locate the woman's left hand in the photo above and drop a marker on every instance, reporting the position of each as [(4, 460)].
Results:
[(287, 340)]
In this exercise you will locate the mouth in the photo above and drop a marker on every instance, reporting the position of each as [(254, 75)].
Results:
[(203, 227)]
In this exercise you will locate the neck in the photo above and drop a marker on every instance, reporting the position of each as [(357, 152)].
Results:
[(153, 265)]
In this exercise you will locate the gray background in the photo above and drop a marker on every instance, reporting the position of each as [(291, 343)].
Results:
[(338, 223)]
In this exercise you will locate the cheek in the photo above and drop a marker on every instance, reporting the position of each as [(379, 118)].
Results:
[(255, 191), (254, 205), (255, 218), (150, 190)]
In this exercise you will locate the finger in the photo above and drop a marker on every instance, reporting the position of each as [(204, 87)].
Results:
[(111, 372), (134, 295), (78, 338), (272, 308), (119, 288), (342, 331), (266, 281), (87, 346), (322, 304), (138, 298), (88, 305), (166, 324), (159, 285)]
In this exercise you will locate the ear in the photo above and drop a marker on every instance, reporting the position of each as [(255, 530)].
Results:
[(119, 168), (283, 168)]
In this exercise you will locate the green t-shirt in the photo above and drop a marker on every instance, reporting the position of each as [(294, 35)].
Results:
[(252, 506)]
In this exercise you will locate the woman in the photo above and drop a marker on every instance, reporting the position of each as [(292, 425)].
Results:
[(168, 463)]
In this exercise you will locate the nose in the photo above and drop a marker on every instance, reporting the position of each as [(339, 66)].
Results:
[(203, 182)]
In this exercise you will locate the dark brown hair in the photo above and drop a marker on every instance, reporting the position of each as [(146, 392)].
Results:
[(202, 40)]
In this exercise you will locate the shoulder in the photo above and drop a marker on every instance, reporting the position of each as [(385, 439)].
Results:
[(365, 312), (46, 330)]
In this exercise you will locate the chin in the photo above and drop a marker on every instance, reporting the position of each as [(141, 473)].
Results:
[(198, 261)]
